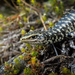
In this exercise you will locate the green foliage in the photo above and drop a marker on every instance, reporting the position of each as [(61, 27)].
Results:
[(6, 64), (12, 69), (46, 8), (20, 24), (38, 47), (32, 28), (57, 10), (71, 1), (25, 19), (17, 61), (33, 2), (34, 53), (57, 6), (18, 1), (51, 24), (65, 71), (23, 32), (1, 29), (23, 50), (1, 16), (53, 74), (27, 9), (33, 60), (27, 71), (16, 71), (53, 2), (44, 18), (29, 46), (21, 57), (61, 4)]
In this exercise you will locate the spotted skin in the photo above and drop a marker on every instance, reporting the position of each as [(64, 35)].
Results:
[(64, 28)]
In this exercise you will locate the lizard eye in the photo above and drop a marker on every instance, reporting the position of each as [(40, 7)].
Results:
[(33, 37)]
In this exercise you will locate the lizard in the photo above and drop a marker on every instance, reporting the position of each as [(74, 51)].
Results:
[(64, 28)]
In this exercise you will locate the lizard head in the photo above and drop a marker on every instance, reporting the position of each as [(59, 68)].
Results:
[(36, 37)]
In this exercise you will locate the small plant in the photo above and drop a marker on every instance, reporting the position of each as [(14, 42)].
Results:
[(1, 16), (71, 1), (53, 74), (38, 21), (20, 24), (34, 53), (19, 1), (21, 57), (33, 60), (39, 47), (25, 19), (32, 28), (35, 66), (1, 29), (23, 50), (31, 56), (51, 24), (29, 46), (46, 8), (57, 6), (23, 32), (33, 2), (44, 18), (65, 71), (27, 71), (12, 69)]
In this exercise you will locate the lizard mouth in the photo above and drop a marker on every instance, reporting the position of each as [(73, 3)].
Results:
[(31, 41), (28, 40)]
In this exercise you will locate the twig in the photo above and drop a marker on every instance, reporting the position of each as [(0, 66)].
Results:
[(28, 18), (14, 4), (9, 4), (37, 11), (55, 50), (4, 32), (47, 69), (53, 58)]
